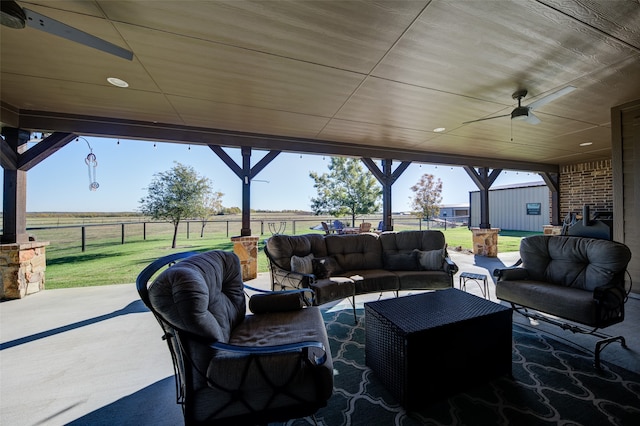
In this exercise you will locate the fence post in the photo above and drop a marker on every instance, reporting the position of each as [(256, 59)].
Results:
[(122, 233), (144, 231), (262, 227), (227, 229), (83, 238), (188, 229), (294, 227)]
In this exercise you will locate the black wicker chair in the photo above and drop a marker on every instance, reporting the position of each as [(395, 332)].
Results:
[(231, 367)]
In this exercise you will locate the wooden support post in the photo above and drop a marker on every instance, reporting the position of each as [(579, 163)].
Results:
[(553, 182), (386, 178), (14, 217), (245, 173), (483, 180)]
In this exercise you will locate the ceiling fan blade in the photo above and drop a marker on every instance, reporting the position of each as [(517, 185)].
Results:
[(51, 26), (487, 118), (531, 118), (551, 97)]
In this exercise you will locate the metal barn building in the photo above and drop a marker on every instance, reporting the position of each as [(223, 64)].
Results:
[(521, 207)]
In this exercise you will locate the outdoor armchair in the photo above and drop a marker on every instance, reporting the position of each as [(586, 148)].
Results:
[(232, 367)]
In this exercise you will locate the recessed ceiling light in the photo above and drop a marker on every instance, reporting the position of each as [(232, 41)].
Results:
[(439, 129), (117, 82), (586, 143)]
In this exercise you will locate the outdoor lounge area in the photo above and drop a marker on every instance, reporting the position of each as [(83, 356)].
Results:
[(95, 356), (542, 87)]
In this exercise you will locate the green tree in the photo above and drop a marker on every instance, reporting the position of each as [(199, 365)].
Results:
[(175, 195), (211, 205), (427, 197), (346, 189)]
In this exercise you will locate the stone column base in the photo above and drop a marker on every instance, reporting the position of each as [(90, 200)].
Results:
[(23, 266), (552, 229), (246, 248), (485, 241)]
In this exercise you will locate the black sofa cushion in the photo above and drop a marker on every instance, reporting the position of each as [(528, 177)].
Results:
[(584, 263), (202, 294)]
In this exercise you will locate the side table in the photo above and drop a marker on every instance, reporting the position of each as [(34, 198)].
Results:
[(477, 278)]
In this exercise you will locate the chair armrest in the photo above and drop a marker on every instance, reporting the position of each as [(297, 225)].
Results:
[(511, 274), (314, 351), (450, 266), (285, 278), (305, 280), (609, 296), (282, 278), (609, 301), (263, 291), (279, 301)]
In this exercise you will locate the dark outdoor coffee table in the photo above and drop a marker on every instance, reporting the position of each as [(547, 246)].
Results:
[(430, 346)]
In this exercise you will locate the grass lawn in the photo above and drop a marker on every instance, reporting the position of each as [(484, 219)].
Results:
[(107, 261)]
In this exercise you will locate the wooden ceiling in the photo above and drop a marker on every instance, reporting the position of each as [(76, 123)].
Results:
[(370, 78)]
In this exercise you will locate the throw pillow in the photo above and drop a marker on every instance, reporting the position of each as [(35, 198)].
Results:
[(302, 264), (401, 262), (430, 260), (325, 267)]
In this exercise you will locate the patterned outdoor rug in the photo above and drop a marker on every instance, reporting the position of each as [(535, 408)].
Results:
[(554, 383)]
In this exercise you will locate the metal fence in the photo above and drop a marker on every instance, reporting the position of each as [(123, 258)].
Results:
[(66, 233)]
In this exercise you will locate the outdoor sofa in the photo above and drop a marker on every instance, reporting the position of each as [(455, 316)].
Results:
[(569, 278), (336, 267)]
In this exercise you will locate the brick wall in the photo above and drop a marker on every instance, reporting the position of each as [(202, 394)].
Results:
[(588, 183)]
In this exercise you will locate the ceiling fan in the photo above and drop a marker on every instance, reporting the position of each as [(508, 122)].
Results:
[(525, 113), (14, 16)]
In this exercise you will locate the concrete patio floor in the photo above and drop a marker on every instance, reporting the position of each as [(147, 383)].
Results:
[(94, 356)]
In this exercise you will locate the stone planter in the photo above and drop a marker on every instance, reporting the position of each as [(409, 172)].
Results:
[(23, 266), (246, 248)]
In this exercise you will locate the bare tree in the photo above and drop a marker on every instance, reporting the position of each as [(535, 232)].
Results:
[(211, 205), (427, 197)]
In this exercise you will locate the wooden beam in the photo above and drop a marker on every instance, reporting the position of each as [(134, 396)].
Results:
[(163, 132), (226, 159), (8, 156), (43, 149), (269, 157)]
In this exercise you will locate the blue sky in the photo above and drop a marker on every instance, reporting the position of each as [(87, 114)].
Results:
[(125, 169)]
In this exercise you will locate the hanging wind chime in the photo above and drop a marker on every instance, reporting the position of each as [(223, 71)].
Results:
[(92, 164)]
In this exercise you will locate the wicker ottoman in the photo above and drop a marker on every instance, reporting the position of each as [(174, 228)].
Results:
[(430, 346)]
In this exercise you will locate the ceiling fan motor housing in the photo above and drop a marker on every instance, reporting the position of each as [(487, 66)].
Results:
[(12, 15), (520, 113)]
